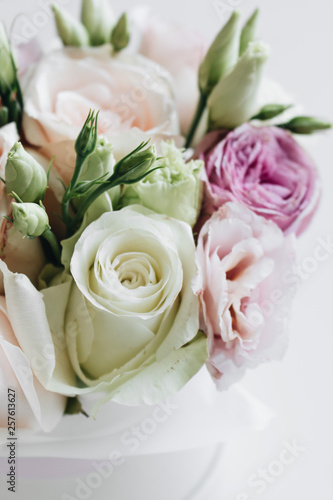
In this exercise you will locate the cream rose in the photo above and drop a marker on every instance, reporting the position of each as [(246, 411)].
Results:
[(132, 271), (133, 95), (36, 407), (126, 321)]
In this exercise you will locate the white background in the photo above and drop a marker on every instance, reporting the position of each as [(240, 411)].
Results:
[(299, 388)]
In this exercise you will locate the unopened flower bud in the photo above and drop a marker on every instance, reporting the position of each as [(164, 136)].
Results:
[(87, 139), (30, 219), (222, 55), (4, 116), (120, 36), (71, 31), (270, 111), (136, 165), (99, 165), (98, 19), (234, 100), (24, 175), (249, 32), (100, 162), (7, 66), (305, 125)]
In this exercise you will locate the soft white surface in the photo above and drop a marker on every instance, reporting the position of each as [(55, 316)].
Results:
[(298, 389)]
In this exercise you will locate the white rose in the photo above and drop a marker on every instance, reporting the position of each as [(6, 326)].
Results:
[(126, 323), (133, 271)]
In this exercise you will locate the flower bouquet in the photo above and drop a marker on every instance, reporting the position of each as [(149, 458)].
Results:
[(147, 246)]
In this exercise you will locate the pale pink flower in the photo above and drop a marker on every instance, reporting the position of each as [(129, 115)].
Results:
[(36, 408), (180, 50), (242, 283)]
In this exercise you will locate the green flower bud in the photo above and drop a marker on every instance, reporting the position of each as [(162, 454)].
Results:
[(270, 111), (98, 19), (7, 65), (174, 190), (305, 125), (249, 32), (234, 100), (120, 36), (221, 56), (4, 116), (87, 139), (136, 165), (100, 164), (24, 175), (30, 219), (71, 31)]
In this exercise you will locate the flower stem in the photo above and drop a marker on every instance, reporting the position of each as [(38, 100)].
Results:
[(50, 237), (88, 202), (196, 120), (77, 170), (67, 198)]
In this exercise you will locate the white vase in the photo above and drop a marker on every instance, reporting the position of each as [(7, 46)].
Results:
[(184, 475), (169, 451)]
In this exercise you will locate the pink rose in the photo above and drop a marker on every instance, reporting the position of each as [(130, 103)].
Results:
[(265, 169), (133, 94), (242, 284), (36, 408), (180, 50), (21, 255)]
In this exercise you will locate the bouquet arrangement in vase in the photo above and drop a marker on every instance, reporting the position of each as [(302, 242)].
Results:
[(152, 191)]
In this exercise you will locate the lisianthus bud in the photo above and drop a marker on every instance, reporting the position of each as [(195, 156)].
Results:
[(24, 175), (234, 100), (136, 165), (30, 219), (249, 32), (7, 66), (120, 35), (221, 56), (305, 125), (87, 139), (270, 111), (174, 190), (4, 116), (71, 31), (98, 19), (100, 163)]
